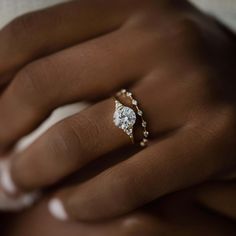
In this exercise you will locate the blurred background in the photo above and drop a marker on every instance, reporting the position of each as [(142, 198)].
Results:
[(224, 9)]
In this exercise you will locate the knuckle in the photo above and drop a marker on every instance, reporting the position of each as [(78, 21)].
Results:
[(189, 30), (72, 138), (216, 130), (22, 28), (27, 79), (86, 128), (129, 197), (28, 82), (64, 143), (33, 81)]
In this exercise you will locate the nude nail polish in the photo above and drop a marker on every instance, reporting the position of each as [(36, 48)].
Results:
[(10, 197), (15, 204), (57, 209), (6, 181)]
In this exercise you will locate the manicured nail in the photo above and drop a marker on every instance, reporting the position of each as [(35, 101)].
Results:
[(57, 209), (15, 204), (5, 178), (30, 198)]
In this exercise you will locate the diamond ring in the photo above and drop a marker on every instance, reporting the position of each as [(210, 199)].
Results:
[(125, 117)]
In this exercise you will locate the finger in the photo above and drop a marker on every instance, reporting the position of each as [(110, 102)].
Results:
[(157, 219), (82, 134), (171, 165), (46, 31), (71, 134), (218, 196), (86, 71), (67, 147), (19, 201)]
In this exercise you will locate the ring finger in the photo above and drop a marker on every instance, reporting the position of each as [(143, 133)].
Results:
[(86, 71), (78, 140)]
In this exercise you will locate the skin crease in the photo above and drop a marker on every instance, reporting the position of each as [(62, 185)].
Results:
[(174, 215), (178, 62), (207, 209)]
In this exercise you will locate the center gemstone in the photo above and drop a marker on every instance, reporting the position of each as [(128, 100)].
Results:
[(124, 118)]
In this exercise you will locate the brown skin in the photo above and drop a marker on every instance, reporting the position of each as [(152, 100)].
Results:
[(209, 209), (178, 62), (203, 210)]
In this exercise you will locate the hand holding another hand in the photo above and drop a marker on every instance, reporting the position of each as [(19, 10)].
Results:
[(178, 63)]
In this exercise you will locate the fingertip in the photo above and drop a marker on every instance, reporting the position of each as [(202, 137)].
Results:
[(30, 198), (16, 204), (6, 180), (57, 209)]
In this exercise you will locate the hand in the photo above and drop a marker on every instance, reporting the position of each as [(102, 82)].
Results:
[(184, 213), (179, 64)]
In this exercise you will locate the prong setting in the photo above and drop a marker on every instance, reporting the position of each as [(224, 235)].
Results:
[(124, 118), (139, 112)]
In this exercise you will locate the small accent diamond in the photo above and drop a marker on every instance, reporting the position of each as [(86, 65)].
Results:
[(142, 143), (144, 123), (145, 133), (140, 113)]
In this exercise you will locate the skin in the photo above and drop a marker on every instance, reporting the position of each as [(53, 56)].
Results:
[(179, 64), (207, 209)]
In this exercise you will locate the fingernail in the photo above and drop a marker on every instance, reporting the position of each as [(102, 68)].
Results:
[(5, 178), (57, 209), (30, 198), (15, 204)]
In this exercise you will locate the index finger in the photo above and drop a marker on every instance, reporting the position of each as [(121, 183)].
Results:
[(44, 32)]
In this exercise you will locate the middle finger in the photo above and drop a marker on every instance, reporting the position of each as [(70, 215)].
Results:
[(86, 71)]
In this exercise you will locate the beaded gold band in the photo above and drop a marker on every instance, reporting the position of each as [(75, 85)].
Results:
[(125, 117)]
